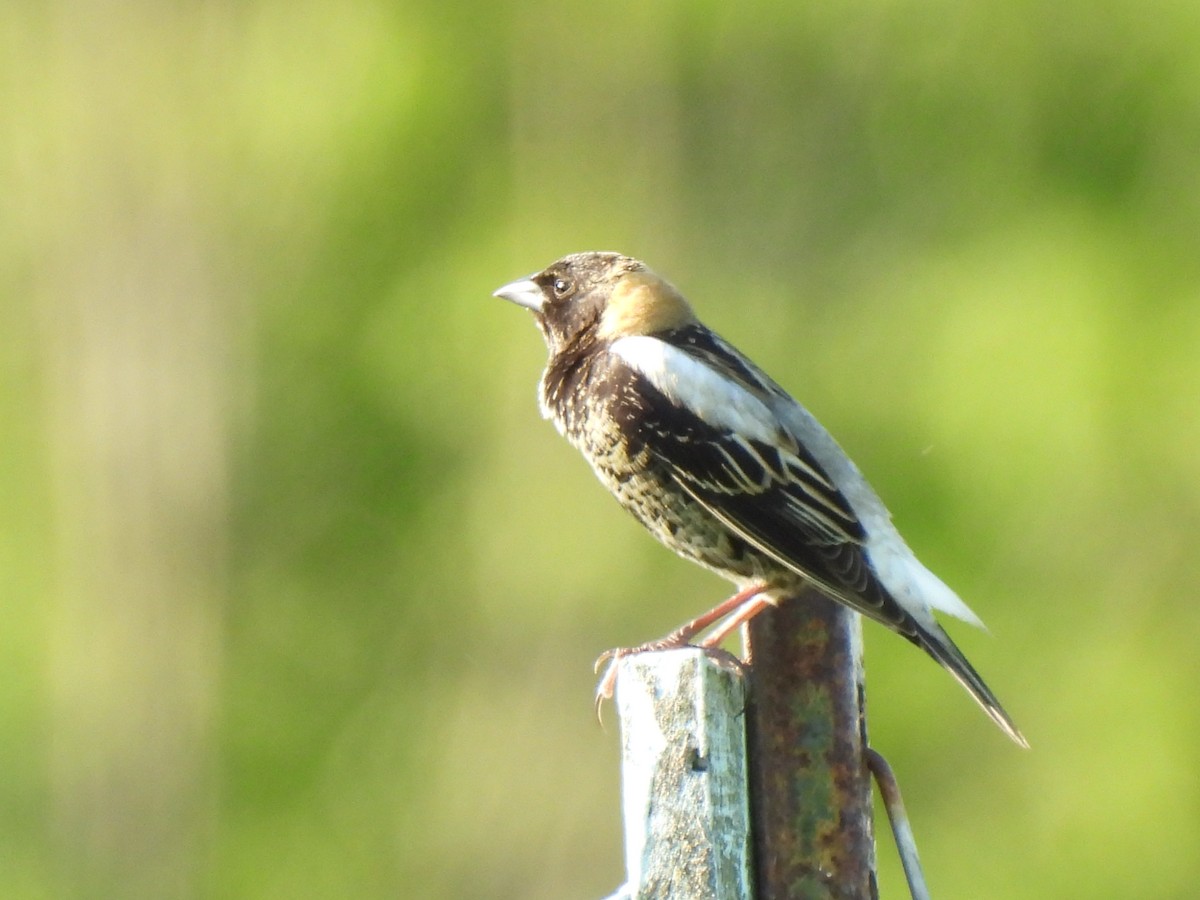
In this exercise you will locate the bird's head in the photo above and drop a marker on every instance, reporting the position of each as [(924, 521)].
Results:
[(603, 296)]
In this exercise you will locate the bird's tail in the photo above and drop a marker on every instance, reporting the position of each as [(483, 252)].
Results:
[(934, 641)]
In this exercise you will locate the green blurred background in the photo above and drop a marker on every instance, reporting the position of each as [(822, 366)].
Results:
[(300, 596)]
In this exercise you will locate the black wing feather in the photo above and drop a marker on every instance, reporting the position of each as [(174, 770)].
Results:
[(775, 496), (768, 520)]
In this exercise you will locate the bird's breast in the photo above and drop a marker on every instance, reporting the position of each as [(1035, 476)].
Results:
[(606, 423)]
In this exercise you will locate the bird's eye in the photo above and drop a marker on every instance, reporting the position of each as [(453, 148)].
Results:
[(563, 288)]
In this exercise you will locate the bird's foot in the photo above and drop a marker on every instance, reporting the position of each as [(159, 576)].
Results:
[(739, 608), (609, 659)]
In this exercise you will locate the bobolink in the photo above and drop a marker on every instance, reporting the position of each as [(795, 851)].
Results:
[(720, 464)]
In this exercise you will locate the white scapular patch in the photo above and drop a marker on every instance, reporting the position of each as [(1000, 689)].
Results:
[(690, 384)]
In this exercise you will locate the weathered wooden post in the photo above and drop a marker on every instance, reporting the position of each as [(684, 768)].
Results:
[(758, 788), (757, 791), (683, 773)]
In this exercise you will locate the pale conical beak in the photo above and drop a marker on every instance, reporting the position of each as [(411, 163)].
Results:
[(524, 293)]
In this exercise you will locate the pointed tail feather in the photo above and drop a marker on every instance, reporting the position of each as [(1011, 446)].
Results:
[(934, 641)]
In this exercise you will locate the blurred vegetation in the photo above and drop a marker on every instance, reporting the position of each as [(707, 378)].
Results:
[(301, 596)]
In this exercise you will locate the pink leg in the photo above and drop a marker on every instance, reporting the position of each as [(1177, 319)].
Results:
[(748, 611), (681, 636)]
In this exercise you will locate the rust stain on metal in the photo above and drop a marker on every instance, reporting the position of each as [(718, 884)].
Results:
[(809, 783)]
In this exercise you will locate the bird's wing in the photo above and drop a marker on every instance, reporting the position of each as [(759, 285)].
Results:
[(788, 518), (732, 440), (706, 418)]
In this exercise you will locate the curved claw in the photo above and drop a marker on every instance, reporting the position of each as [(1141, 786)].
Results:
[(608, 681), (723, 657)]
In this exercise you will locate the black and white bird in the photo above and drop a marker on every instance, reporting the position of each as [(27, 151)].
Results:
[(720, 464)]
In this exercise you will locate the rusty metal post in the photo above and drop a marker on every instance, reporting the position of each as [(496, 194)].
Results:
[(810, 788)]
